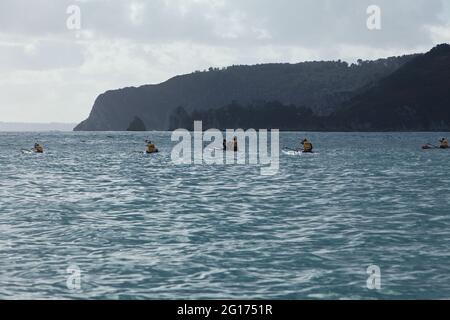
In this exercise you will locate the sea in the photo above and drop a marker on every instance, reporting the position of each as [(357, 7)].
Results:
[(367, 216)]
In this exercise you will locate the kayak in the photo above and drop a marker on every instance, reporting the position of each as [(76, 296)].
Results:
[(145, 152), (428, 147), (292, 152)]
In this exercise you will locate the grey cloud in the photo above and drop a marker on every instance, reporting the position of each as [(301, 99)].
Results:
[(285, 22), (41, 55), (234, 22), (33, 18), (329, 22)]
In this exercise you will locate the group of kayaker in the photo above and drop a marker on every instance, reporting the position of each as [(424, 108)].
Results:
[(305, 146), (308, 147)]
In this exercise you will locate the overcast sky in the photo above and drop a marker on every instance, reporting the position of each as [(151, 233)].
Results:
[(49, 72)]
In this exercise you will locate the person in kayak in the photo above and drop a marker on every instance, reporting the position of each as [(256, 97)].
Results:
[(38, 148), (307, 146), (151, 148), (235, 144), (444, 143)]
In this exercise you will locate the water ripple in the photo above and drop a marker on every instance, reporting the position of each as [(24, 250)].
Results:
[(140, 227)]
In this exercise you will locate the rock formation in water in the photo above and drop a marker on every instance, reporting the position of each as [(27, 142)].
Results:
[(137, 125)]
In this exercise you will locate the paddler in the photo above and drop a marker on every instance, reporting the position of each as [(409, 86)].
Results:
[(444, 143), (307, 146), (38, 148), (151, 148)]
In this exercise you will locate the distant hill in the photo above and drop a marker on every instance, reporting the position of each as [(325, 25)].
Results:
[(415, 97), (319, 86), (31, 127)]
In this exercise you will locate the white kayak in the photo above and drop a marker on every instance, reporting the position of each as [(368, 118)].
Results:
[(292, 152)]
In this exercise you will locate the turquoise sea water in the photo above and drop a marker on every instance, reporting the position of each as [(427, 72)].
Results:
[(139, 227)]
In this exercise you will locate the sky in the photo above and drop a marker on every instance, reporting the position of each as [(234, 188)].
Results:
[(57, 56)]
